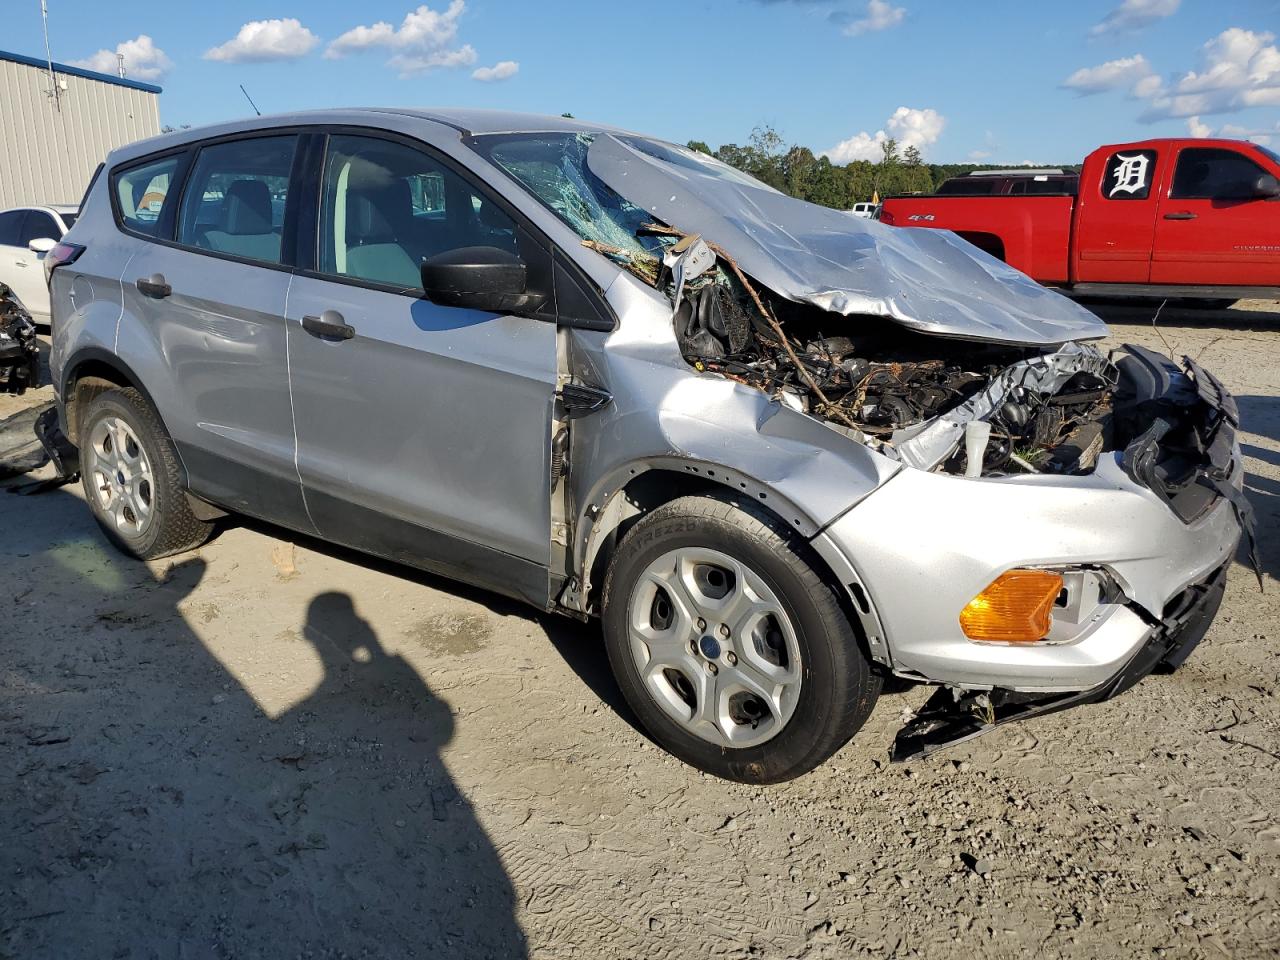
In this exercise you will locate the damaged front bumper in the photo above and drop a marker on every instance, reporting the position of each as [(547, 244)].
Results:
[(952, 716), (1142, 544)]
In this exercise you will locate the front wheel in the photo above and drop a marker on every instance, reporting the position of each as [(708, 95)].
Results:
[(735, 653)]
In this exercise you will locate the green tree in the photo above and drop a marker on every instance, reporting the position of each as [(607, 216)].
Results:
[(889, 150), (911, 156), (798, 166), (767, 151), (700, 147), (828, 185)]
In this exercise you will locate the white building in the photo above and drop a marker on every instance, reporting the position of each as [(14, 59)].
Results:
[(50, 144)]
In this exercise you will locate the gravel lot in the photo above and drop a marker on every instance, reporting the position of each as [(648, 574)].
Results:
[(275, 748)]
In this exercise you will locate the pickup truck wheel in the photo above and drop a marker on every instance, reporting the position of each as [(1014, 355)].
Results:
[(731, 648), (132, 478)]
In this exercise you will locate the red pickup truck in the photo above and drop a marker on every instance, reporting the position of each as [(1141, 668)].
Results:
[(1165, 218)]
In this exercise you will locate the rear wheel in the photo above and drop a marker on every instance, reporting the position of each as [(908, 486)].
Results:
[(132, 478), (735, 654)]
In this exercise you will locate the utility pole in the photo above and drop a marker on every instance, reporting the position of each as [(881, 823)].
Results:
[(53, 80)]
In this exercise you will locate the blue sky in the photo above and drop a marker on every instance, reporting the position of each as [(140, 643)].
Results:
[(994, 81)]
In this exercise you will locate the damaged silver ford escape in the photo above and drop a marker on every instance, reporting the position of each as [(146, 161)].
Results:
[(779, 452)]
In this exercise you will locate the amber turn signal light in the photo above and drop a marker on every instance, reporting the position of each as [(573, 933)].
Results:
[(1016, 608)]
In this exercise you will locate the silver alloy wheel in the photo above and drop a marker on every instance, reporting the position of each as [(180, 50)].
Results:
[(714, 647), (120, 475)]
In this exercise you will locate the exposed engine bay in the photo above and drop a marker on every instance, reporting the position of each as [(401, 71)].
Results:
[(960, 406), (19, 349)]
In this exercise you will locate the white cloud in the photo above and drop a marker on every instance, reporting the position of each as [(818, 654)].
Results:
[(1132, 72), (1239, 69), (262, 40), (1134, 15), (1261, 135), (861, 146), (423, 41), (1198, 129), (916, 128), (409, 63), (143, 60), (1148, 87), (977, 156), (881, 15), (501, 70), (910, 127)]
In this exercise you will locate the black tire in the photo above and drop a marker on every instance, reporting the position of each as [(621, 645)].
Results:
[(838, 687), (172, 528)]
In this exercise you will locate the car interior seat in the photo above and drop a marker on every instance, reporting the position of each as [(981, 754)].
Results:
[(378, 230), (245, 223)]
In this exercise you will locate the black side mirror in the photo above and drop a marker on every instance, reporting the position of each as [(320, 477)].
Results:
[(479, 278), (1266, 187)]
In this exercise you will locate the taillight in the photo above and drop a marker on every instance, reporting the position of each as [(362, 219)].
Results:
[(63, 253), (886, 217)]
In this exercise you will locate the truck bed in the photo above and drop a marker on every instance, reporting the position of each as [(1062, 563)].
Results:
[(1032, 234)]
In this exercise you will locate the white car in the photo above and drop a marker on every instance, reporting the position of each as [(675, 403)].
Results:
[(865, 211), (26, 235)]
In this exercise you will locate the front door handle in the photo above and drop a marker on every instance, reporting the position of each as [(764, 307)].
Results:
[(19, 263), (154, 286), (1181, 215), (330, 325)]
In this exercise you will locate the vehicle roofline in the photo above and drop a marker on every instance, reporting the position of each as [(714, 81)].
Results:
[(482, 123)]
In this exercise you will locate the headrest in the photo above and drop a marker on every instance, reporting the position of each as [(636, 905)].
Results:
[(379, 205), (493, 216), (246, 207)]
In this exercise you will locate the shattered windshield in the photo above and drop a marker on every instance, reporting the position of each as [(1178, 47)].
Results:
[(553, 167), (691, 161)]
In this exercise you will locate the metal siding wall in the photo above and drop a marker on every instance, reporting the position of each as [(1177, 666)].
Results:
[(48, 155)]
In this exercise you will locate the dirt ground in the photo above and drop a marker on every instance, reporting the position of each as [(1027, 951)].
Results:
[(275, 748)]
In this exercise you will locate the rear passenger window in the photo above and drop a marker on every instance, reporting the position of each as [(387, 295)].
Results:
[(386, 207), (235, 197), (141, 193), (1209, 174)]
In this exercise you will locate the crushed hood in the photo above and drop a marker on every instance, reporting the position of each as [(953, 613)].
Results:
[(928, 280)]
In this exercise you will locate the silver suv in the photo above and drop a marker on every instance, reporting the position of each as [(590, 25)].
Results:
[(778, 451)]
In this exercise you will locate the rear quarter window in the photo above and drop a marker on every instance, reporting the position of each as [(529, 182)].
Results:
[(1128, 175), (142, 192)]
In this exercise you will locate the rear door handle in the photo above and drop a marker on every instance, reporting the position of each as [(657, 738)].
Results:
[(1183, 215), (19, 263), (329, 324), (154, 286)]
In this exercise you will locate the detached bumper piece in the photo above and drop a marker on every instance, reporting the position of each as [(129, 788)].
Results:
[(1183, 425), (19, 349), (61, 453), (952, 716)]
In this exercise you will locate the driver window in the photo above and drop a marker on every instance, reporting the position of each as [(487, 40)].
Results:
[(1210, 174), (386, 207)]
